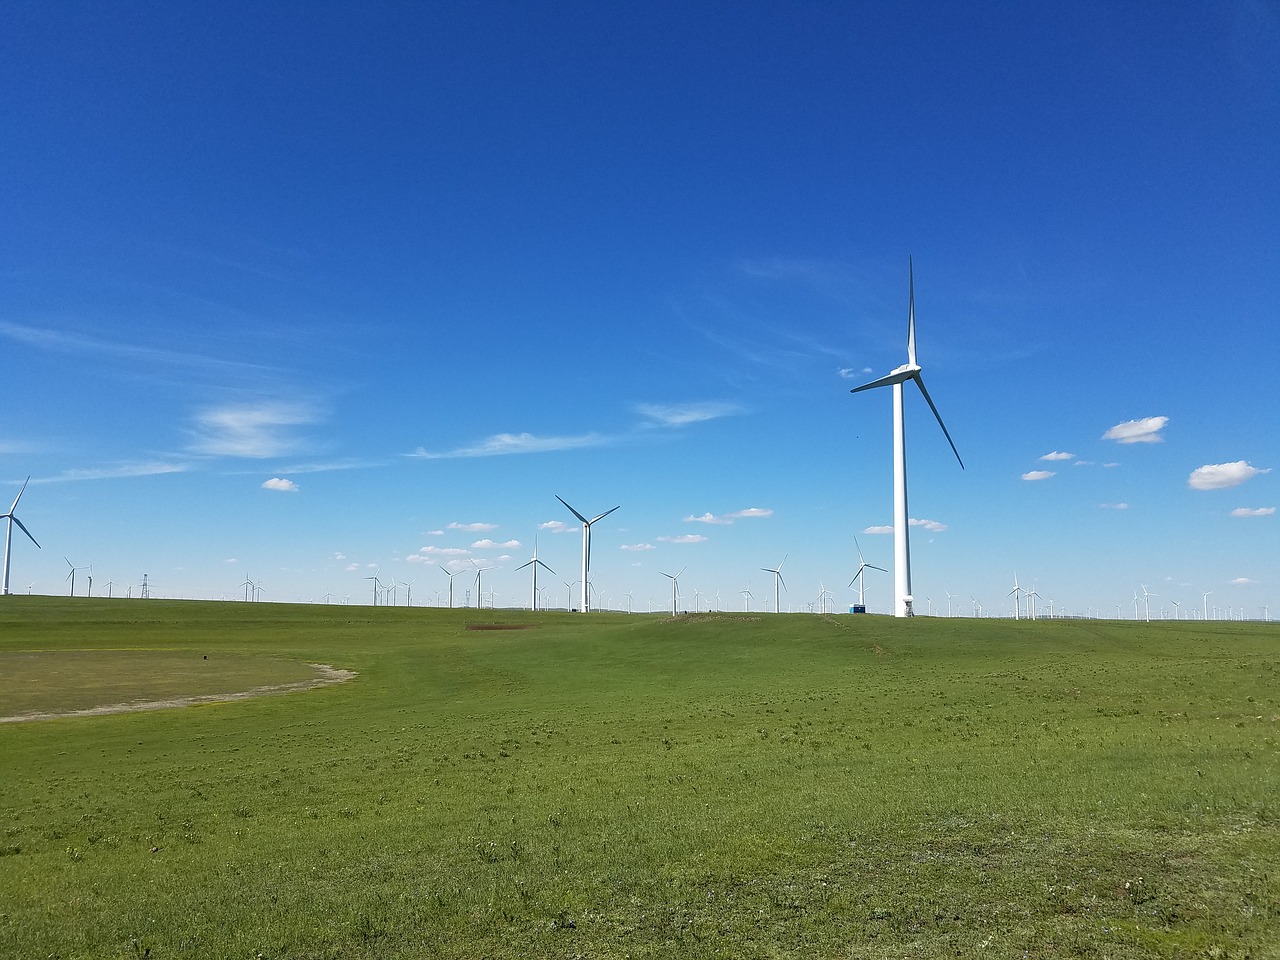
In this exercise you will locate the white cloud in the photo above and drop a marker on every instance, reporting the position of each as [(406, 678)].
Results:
[(419, 558), (708, 518), (685, 538), (1219, 476), (444, 551), (280, 483), (1039, 475), (849, 373), (880, 529), (1254, 512), (473, 527), (352, 567), (727, 518), (488, 544), (1113, 506), (434, 533), (1058, 455), (638, 546), (1146, 430), (339, 556), (933, 525), (557, 526), (231, 560), (1243, 582), (679, 415), (501, 444), (250, 430), (1086, 463)]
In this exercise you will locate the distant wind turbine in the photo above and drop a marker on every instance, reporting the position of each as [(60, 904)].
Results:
[(586, 549), (909, 371), (11, 519), (1016, 593), (72, 575), (860, 576), (746, 599), (777, 582), (1146, 599), (535, 563), (675, 583), (450, 575)]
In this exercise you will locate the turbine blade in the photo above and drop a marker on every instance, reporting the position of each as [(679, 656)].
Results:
[(603, 515), (881, 569), (920, 383), (24, 530), (19, 497), (885, 381), (911, 314), (571, 510)]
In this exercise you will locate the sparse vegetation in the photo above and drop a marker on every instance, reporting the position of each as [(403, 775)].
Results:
[(613, 785)]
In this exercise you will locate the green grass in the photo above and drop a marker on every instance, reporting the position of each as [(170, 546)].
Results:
[(614, 786)]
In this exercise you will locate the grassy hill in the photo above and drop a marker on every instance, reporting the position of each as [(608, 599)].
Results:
[(724, 785)]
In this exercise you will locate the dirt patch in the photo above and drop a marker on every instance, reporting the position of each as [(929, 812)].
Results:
[(326, 675)]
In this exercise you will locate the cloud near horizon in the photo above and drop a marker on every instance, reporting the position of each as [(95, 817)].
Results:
[(473, 527), (727, 518), (1220, 476), (1146, 430), (487, 544), (635, 547), (1253, 512)]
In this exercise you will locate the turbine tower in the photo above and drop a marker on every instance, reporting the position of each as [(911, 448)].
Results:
[(586, 549), (450, 575), (777, 579), (535, 563), (8, 535), (909, 371)]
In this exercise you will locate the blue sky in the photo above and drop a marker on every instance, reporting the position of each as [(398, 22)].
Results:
[(308, 291)]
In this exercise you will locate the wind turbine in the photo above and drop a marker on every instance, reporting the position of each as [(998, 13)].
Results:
[(479, 592), (1016, 593), (901, 538), (863, 566), (675, 582), (72, 575), (8, 535), (248, 585), (950, 597), (535, 563), (823, 596), (1177, 613), (746, 599), (777, 580), (1032, 597), (586, 549), (1146, 599), (450, 575), (377, 584)]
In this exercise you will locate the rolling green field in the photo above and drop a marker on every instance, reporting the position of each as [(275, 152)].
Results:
[(636, 786)]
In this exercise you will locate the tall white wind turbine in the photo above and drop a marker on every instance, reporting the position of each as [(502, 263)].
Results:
[(675, 587), (777, 580), (8, 535), (450, 574), (908, 371), (535, 563), (586, 549)]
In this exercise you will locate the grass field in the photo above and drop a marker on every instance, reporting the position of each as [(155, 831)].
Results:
[(636, 786)]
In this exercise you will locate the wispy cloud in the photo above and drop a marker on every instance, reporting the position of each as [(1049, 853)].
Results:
[(252, 430), (1146, 430), (117, 471), (148, 357), (728, 518), (882, 528), (473, 527), (850, 373), (1253, 511), (443, 551), (1243, 582), (1113, 506), (679, 415), (685, 538), (1058, 455), (280, 483), (637, 547), (1039, 474), (503, 444), (1220, 476)]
